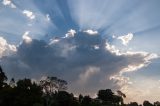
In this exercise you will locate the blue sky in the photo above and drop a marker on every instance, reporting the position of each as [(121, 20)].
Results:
[(93, 44)]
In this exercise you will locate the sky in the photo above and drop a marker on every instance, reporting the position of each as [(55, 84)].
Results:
[(92, 44)]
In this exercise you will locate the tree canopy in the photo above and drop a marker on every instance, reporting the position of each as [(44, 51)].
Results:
[(51, 91)]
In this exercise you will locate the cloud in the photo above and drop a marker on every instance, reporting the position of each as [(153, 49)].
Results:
[(126, 38), (132, 67), (26, 37), (29, 14), (90, 72), (91, 32), (136, 61), (48, 17), (85, 61), (112, 49), (121, 80), (71, 33), (128, 86), (9, 3), (54, 40), (5, 48)]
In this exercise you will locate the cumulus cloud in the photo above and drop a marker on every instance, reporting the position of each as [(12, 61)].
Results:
[(138, 60), (78, 57), (26, 37), (126, 38), (132, 67), (9, 3), (124, 82), (5, 48), (29, 14), (112, 49), (91, 32), (71, 33)]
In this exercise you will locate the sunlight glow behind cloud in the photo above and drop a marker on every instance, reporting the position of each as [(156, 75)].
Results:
[(91, 32), (90, 59), (26, 37), (87, 59), (5, 48), (126, 38), (29, 14), (70, 33), (9, 3)]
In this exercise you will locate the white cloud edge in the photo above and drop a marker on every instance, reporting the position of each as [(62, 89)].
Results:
[(91, 32), (48, 17), (6, 48), (125, 39), (26, 37), (147, 57), (8, 3), (70, 33), (29, 14)]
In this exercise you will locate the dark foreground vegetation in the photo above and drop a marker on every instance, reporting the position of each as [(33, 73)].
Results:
[(51, 92)]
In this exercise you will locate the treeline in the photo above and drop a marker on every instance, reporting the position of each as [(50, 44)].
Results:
[(50, 91)]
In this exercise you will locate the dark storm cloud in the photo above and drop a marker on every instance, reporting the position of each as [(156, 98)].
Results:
[(83, 60)]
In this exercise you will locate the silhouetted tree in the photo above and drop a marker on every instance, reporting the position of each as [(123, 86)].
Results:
[(121, 94), (117, 100), (61, 85), (63, 98), (7, 96), (105, 95), (27, 93), (109, 98), (86, 101), (147, 103), (157, 103), (3, 78), (12, 83), (52, 84), (80, 98), (133, 104)]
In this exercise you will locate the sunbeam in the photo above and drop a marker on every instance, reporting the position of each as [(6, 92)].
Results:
[(91, 43)]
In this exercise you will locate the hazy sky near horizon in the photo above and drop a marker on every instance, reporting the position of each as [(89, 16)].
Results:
[(92, 44)]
